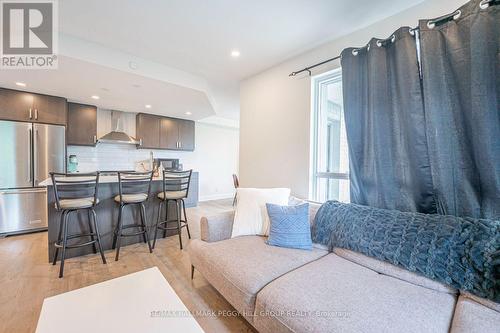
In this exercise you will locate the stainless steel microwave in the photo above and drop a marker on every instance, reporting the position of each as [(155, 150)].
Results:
[(168, 163)]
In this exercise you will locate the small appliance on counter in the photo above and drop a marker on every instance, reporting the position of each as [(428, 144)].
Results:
[(72, 164), (167, 163)]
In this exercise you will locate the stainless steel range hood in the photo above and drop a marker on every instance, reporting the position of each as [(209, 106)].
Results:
[(118, 135)]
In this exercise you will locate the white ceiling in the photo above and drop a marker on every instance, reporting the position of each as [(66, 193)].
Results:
[(182, 48), (197, 36)]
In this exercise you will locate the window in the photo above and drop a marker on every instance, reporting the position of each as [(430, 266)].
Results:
[(330, 160)]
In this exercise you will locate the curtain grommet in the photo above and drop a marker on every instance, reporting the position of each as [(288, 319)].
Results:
[(455, 16), (412, 31), (381, 43), (355, 52), (484, 4)]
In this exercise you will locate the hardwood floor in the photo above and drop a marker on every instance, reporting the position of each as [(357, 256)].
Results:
[(26, 277)]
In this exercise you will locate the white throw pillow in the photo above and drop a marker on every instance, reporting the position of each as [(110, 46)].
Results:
[(251, 214)]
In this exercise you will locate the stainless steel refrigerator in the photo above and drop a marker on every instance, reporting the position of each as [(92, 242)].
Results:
[(28, 152)]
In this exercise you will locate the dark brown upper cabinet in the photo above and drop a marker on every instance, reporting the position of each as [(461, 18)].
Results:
[(169, 134), (82, 125), (24, 106), (50, 109), (186, 134), (148, 131), (165, 133), (16, 105)]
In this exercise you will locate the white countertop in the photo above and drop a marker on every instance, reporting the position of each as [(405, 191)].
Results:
[(102, 180)]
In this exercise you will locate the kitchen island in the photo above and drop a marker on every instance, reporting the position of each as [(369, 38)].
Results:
[(107, 214)]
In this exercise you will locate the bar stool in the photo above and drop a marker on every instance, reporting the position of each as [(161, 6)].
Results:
[(75, 192), (175, 189), (135, 188)]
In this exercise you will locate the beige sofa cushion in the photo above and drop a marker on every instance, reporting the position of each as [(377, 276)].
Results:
[(337, 295), (394, 271), (471, 316), (483, 301), (240, 267)]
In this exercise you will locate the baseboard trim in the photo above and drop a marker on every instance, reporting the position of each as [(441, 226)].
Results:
[(216, 197)]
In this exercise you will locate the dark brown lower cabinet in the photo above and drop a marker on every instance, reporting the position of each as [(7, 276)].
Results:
[(82, 125)]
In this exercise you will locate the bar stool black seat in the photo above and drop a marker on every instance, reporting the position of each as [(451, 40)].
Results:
[(135, 188), (175, 189), (75, 192)]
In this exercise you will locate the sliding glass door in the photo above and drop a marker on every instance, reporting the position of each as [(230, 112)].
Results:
[(330, 160)]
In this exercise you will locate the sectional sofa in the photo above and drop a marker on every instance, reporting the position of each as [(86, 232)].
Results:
[(287, 290)]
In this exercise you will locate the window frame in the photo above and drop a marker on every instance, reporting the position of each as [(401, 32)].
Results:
[(317, 82)]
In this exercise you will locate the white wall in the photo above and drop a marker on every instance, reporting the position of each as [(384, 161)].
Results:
[(215, 156), (275, 110)]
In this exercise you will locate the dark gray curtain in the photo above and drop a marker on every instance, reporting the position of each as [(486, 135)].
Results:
[(461, 84), (384, 114)]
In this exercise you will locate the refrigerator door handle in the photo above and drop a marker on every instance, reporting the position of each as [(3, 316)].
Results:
[(22, 191), (30, 132), (35, 156)]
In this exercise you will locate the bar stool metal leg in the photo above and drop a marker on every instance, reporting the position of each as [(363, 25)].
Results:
[(144, 227), (178, 208), (119, 233), (166, 218), (157, 223), (116, 229), (185, 218), (98, 236), (64, 244), (59, 239), (91, 230)]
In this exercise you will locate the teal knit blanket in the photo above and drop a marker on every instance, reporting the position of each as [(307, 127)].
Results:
[(461, 252)]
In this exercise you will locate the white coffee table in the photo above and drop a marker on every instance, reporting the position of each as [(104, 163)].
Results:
[(138, 302)]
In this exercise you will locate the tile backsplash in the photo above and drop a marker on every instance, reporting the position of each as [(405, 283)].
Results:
[(119, 157)]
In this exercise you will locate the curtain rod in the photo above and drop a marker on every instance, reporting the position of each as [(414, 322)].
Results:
[(308, 69), (431, 24)]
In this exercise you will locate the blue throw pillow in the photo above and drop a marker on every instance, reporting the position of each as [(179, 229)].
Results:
[(289, 226)]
